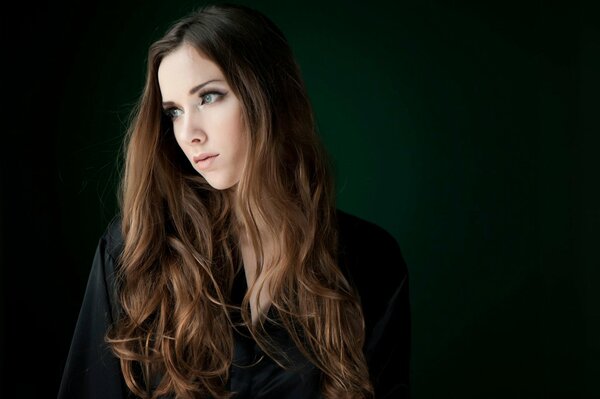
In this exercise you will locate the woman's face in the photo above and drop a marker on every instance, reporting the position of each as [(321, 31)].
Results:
[(207, 116)]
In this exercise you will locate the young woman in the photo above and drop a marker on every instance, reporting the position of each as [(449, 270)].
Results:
[(229, 271)]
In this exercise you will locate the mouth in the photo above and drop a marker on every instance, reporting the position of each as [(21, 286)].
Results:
[(204, 157), (204, 161)]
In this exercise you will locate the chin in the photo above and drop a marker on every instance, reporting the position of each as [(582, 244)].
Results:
[(220, 184)]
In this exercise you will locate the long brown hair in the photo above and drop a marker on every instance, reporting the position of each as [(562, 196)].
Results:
[(174, 334)]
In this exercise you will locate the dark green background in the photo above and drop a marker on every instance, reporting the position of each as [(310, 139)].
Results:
[(469, 130)]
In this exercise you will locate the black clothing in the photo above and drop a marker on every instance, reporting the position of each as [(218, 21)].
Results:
[(369, 257)]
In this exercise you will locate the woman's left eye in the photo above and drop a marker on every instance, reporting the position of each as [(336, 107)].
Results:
[(209, 98)]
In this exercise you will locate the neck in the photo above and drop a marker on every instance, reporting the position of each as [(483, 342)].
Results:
[(242, 230)]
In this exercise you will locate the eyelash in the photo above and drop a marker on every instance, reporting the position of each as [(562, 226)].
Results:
[(169, 111)]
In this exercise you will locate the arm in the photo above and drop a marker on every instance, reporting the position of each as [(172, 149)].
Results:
[(388, 348), (375, 266), (91, 370)]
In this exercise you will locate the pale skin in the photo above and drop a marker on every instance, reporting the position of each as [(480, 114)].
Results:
[(207, 120)]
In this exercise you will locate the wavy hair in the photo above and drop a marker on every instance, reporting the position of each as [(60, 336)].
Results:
[(174, 334)]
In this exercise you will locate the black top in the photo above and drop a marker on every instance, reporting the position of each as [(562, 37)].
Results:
[(369, 257)]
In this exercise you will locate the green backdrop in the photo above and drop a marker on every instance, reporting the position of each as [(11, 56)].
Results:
[(469, 130)]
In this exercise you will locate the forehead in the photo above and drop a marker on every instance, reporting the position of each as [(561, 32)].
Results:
[(184, 68)]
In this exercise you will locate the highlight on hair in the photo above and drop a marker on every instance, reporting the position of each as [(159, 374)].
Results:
[(175, 274)]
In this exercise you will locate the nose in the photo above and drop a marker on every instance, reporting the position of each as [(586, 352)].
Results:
[(192, 127)]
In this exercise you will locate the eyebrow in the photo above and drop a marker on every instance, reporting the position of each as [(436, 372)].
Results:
[(193, 90)]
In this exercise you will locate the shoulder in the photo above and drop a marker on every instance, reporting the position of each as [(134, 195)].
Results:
[(359, 238), (111, 239), (105, 264), (372, 260), (361, 235)]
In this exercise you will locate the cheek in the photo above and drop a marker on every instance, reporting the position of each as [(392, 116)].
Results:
[(242, 130), (179, 142), (241, 139)]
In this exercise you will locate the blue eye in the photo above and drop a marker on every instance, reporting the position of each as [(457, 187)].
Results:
[(172, 113), (210, 97), (206, 98)]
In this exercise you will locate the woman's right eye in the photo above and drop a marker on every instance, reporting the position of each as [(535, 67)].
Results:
[(172, 113)]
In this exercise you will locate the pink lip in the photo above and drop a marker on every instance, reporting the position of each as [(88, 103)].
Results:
[(203, 161), (204, 156)]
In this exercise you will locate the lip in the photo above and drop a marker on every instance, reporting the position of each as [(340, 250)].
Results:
[(203, 156), (204, 160)]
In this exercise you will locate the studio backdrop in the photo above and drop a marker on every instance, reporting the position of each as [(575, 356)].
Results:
[(468, 130)]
